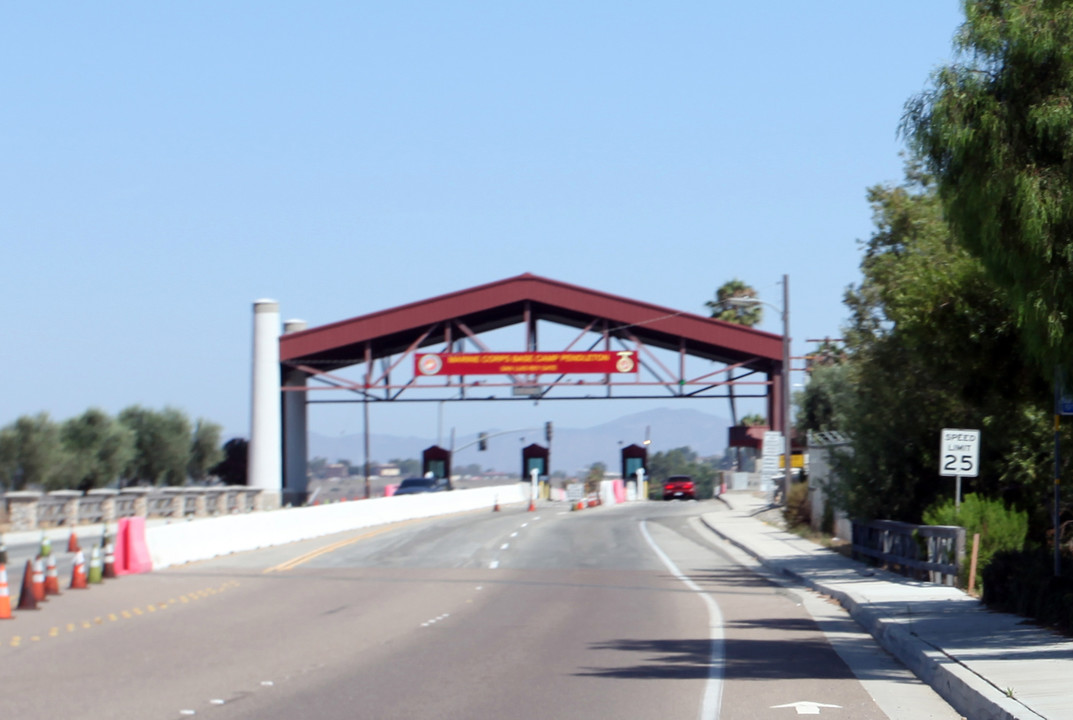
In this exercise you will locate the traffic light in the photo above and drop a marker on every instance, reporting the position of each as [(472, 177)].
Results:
[(482, 441), (547, 431)]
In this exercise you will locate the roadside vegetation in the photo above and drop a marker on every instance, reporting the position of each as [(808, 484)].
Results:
[(138, 447), (963, 316)]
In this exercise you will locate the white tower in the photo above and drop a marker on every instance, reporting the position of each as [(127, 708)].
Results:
[(266, 445)]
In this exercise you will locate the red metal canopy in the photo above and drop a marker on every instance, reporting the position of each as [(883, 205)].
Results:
[(506, 302), (450, 322)]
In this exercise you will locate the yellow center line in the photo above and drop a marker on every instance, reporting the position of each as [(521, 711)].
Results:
[(314, 554)]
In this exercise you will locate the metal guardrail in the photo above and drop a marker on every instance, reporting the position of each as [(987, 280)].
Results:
[(35, 510), (90, 510), (50, 511), (923, 552)]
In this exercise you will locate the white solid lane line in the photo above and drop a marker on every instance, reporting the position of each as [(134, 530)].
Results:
[(713, 692)]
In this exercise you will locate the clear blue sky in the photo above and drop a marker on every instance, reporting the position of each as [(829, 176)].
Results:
[(166, 164)]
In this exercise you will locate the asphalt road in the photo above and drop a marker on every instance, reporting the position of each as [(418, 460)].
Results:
[(630, 611)]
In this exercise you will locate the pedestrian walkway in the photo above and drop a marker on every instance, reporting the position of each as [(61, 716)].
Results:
[(985, 664)]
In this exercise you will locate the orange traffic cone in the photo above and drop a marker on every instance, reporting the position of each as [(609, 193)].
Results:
[(72, 543), (5, 595), (109, 561), (39, 580), (27, 601), (532, 506), (52, 579), (78, 575), (495, 508)]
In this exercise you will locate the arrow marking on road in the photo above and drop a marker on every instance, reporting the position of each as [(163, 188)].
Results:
[(806, 707)]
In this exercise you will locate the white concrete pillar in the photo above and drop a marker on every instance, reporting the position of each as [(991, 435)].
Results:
[(295, 433), (266, 442)]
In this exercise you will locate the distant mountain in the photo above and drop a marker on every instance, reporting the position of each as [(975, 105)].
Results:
[(571, 450)]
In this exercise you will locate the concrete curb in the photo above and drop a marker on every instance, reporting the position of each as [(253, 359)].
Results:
[(968, 693)]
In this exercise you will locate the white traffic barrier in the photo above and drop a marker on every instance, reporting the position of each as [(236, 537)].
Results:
[(181, 542)]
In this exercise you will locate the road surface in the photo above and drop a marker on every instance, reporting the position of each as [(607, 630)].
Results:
[(632, 611)]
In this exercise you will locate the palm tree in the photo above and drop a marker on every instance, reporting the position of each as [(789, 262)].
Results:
[(736, 302), (732, 303)]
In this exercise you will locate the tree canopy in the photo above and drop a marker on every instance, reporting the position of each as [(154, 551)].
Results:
[(996, 130), (734, 302), (931, 343)]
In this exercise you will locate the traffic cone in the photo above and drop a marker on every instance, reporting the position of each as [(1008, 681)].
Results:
[(46, 546), (109, 561), (532, 506), (39, 580), (495, 508), (72, 543), (78, 575), (27, 600), (95, 566), (52, 579), (5, 595)]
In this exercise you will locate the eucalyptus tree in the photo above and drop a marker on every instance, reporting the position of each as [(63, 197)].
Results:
[(30, 452), (98, 449), (996, 131), (161, 445), (205, 449)]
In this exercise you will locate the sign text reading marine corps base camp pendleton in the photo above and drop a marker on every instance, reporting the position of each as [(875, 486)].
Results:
[(614, 362)]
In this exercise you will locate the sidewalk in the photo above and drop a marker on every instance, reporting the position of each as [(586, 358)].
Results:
[(985, 664)]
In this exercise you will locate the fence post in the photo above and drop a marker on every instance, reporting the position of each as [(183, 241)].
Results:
[(141, 499), (200, 506), (22, 509), (70, 505)]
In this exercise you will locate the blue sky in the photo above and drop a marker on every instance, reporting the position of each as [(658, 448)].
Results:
[(164, 165)]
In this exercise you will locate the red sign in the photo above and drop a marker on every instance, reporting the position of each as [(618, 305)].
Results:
[(617, 362)]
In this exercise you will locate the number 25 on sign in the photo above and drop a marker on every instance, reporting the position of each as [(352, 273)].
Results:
[(960, 453)]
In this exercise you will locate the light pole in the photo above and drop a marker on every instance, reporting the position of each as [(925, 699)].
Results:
[(785, 376)]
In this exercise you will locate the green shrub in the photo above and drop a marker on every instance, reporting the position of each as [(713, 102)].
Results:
[(1000, 528), (798, 509), (1023, 582)]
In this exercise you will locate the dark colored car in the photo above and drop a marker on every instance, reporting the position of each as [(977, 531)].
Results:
[(412, 486), (679, 487)]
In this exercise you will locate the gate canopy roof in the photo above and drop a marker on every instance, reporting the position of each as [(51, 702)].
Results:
[(506, 302)]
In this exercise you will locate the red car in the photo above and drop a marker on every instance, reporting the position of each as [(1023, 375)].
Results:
[(678, 487)]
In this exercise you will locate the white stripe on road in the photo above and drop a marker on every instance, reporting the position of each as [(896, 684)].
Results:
[(493, 565), (713, 692)]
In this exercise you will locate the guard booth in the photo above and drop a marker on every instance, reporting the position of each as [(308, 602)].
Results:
[(437, 461), (534, 457), (634, 458)]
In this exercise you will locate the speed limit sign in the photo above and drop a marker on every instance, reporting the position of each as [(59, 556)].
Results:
[(960, 453)]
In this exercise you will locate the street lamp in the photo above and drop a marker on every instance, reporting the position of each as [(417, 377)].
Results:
[(785, 384)]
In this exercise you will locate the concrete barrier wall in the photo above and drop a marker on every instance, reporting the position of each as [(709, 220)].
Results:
[(187, 541)]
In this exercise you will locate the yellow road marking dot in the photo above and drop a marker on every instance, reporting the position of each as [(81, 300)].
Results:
[(35, 638), (184, 599), (86, 624), (53, 632), (70, 627), (112, 617), (98, 620), (126, 614), (15, 641), (137, 611)]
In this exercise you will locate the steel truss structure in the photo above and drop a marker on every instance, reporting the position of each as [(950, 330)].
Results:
[(382, 346)]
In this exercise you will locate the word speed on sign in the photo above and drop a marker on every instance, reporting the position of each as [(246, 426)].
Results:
[(960, 453)]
